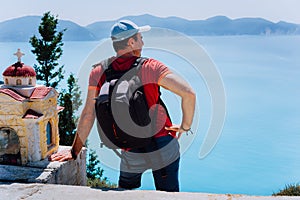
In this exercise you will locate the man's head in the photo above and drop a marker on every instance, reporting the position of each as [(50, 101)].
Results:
[(126, 36)]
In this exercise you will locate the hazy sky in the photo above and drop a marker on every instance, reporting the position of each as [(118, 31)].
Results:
[(85, 12)]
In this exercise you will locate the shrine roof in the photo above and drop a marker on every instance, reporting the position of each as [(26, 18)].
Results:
[(38, 93), (19, 69)]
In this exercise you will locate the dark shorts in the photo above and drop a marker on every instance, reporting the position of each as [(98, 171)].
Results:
[(162, 156)]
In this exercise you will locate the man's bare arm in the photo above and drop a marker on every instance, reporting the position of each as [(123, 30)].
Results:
[(179, 86), (84, 127)]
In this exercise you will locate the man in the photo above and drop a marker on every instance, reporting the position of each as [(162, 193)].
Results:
[(162, 155)]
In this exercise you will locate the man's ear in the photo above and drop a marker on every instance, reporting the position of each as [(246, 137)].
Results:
[(130, 42)]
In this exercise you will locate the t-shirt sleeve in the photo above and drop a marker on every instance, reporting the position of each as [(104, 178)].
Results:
[(95, 78), (154, 71)]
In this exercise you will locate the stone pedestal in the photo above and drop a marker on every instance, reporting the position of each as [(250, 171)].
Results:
[(71, 172)]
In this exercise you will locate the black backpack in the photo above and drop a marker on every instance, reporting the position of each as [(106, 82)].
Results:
[(122, 111)]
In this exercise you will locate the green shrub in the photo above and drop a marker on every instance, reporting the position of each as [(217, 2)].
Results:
[(100, 183), (289, 190), (94, 172)]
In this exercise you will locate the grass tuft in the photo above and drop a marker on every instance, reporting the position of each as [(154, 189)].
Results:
[(289, 190)]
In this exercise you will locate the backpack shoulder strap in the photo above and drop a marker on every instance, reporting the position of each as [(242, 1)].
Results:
[(103, 63), (111, 74), (139, 62)]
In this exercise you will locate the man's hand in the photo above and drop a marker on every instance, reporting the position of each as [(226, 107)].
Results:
[(176, 128), (61, 156)]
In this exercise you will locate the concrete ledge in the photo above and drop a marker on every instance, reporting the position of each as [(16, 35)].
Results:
[(71, 172), (57, 192)]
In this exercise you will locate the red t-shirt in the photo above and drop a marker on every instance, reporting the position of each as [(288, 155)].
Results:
[(151, 72)]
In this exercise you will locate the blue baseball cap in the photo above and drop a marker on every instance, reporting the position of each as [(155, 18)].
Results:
[(125, 29)]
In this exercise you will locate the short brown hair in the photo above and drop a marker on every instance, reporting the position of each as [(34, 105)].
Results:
[(119, 45)]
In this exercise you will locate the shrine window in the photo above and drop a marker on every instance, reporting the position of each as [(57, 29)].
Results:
[(49, 134), (18, 82)]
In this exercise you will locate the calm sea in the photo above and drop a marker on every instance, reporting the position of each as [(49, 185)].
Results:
[(259, 147)]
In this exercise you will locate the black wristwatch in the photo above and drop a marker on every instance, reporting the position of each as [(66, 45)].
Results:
[(74, 156)]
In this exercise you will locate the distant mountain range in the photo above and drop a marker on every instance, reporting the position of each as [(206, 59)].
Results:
[(21, 29)]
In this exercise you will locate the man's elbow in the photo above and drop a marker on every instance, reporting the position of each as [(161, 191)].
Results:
[(190, 94)]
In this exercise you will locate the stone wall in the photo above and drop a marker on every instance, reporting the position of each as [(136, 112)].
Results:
[(66, 192), (71, 172)]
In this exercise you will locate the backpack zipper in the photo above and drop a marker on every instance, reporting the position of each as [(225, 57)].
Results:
[(115, 132)]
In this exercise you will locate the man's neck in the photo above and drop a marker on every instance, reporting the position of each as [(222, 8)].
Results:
[(128, 53)]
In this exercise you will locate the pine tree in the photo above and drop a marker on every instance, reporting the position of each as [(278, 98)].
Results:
[(74, 90), (93, 170), (71, 102), (94, 173), (48, 50)]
